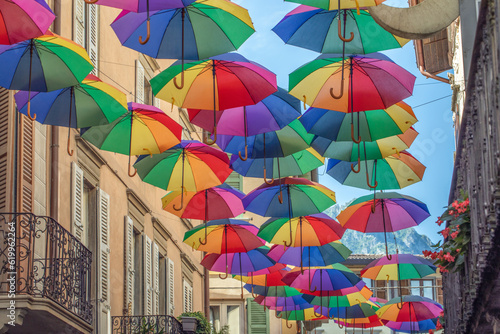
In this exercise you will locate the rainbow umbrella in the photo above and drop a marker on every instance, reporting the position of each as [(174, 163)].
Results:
[(336, 4), (89, 103), (351, 151), (299, 315), (218, 83), (270, 278), (224, 236), (346, 300), (194, 30), (271, 114), (22, 20), (140, 6), (325, 31), (310, 256), (373, 82), (412, 326), (298, 163), (291, 139), (43, 64), (189, 166), (365, 323), (400, 267), (372, 124), (144, 129), (413, 308), (314, 230), (274, 303), (393, 172), (280, 291), (225, 202), (361, 310)]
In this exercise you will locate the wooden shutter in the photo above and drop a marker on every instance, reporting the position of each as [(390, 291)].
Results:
[(188, 296), (156, 279), (148, 276), (4, 145), (381, 291), (171, 287), (234, 180), (139, 82), (79, 22), (157, 102), (93, 36), (26, 159), (129, 265), (77, 227), (404, 287), (257, 318), (103, 257)]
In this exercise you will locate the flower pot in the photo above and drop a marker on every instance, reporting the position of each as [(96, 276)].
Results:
[(189, 324)]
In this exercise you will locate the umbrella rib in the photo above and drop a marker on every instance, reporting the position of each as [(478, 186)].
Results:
[(201, 13)]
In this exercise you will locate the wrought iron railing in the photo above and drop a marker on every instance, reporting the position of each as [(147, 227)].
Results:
[(43, 259), (151, 324)]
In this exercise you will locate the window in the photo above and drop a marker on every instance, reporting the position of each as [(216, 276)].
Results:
[(393, 287), (138, 291), (231, 314), (143, 90), (423, 288), (235, 180), (233, 318), (187, 288), (86, 29), (215, 317)]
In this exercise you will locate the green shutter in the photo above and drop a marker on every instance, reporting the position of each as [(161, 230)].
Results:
[(257, 318), (234, 180)]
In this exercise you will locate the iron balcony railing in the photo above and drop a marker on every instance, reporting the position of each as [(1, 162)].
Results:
[(151, 324), (38, 257)]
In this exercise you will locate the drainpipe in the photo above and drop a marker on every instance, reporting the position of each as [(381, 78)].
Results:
[(206, 303), (54, 145)]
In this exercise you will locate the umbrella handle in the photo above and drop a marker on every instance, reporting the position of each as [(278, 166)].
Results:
[(305, 102), (246, 157), (368, 182), (352, 135), (29, 111), (149, 151), (182, 81), (276, 315), (400, 308), (315, 288), (265, 178), (359, 166), (201, 242), (183, 189), (397, 152), (340, 326), (373, 207), (287, 324), (389, 256), (337, 97), (299, 330), (357, 7), (223, 277), (68, 147), (148, 26), (317, 315), (135, 170), (280, 197), (91, 1), (209, 141), (346, 40)]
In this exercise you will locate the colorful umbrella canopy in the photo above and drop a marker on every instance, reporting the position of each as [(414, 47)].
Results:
[(218, 202), (275, 302), (361, 285), (374, 82), (400, 267), (393, 172), (218, 83), (92, 102), (372, 124), (370, 322), (224, 236), (334, 4), (300, 196), (299, 315), (272, 113), (194, 30), (331, 278), (291, 139), (339, 301), (191, 166), (268, 270), (412, 326), (270, 279), (413, 308), (238, 263), (324, 30), (43, 64), (298, 163), (351, 151), (140, 6), (313, 256), (314, 230), (144, 129), (386, 212), (361, 310), (274, 291), (22, 20)]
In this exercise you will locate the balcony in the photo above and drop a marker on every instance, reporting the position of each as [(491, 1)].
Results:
[(45, 277), (151, 324)]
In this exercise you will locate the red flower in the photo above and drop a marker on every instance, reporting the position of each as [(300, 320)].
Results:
[(438, 325), (448, 257), (431, 331), (454, 234), (445, 232)]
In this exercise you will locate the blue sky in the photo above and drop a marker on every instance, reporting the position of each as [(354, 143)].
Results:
[(434, 146)]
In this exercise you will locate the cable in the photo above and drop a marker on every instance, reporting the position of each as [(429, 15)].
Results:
[(441, 98)]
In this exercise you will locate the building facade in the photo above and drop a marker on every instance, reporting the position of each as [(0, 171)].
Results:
[(95, 252)]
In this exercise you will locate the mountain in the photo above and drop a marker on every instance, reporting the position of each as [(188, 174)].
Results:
[(409, 240)]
